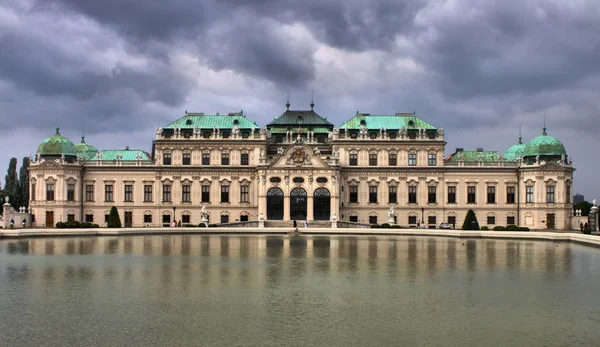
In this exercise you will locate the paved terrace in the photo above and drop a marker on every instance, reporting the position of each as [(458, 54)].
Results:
[(556, 236)]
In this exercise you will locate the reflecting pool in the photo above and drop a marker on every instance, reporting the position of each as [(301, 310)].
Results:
[(196, 290)]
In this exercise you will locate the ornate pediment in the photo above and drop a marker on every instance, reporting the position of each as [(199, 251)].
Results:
[(49, 164), (298, 156), (550, 166)]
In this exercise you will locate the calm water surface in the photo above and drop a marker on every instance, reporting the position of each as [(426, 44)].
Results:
[(297, 291)]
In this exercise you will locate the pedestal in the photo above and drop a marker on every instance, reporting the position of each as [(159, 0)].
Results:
[(334, 224), (261, 223), (204, 221), (391, 221)]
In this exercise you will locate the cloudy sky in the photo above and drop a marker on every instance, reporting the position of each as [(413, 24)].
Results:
[(480, 69)]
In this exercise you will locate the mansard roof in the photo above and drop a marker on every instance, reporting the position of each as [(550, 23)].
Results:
[(473, 156), (302, 117), (122, 154), (397, 121), (205, 121)]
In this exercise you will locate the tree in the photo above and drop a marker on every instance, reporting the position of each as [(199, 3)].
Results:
[(114, 221), (584, 206), (23, 198), (12, 183), (470, 221)]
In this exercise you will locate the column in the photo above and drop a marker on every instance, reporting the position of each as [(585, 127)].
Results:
[(309, 207), (286, 207)]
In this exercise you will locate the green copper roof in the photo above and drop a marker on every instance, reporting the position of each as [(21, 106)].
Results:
[(57, 145), (515, 152), (202, 121), (294, 129), (86, 151), (397, 121), (544, 145), (123, 154), (471, 156), (302, 117)]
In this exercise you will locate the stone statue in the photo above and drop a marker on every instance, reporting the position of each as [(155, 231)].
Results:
[(537, 158), (336, 131), (317, 150), (6, 199), (334, 217), (280, 150), (263, 131), (403, 131), (252, 130), (391, 212), (235, 130), (158, 130), (363, 130), (261, 217), (203, 211), (594, 202), (440, 132), (336, 154), (330, 136)]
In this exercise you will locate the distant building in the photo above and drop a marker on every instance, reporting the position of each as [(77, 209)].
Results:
[(302, 167), (577, 198)]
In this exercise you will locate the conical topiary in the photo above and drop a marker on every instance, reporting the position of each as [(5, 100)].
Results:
[(470, 221), (114, 221)]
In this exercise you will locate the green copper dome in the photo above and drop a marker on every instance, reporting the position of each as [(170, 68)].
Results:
[(86, 151), (57, 145), (544, 145), (515, 152)]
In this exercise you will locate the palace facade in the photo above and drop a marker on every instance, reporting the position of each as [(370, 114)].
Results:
[(302, 167)]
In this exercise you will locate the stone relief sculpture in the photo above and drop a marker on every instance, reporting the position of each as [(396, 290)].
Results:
[(280, 150), (317, 150)]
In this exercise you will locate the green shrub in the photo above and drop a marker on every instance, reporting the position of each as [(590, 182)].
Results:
[(73, 224), (512, 227), (375, 226), (95, 226), (484, 228), (188, 225), (523, 229), (61, 225), (87, 225), (212, 225), (202, 225), (499, 228), (385, 225), (396, 227), (470, 222), (114, 221)]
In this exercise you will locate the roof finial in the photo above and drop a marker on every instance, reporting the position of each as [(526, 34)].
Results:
[(312, 103), (414, 112), (57, 131), (185, 111), (520, 138), (544, 128), (287, 104)]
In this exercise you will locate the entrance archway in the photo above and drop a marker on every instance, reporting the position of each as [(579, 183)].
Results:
[(322, 204), (298, 204), (275, 204)]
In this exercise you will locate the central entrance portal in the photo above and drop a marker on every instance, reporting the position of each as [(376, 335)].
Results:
[(322, 204), (275, 204), (298, 204)]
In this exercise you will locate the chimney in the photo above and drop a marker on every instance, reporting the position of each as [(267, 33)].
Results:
[(126, 148), (479, 149), (459, 150)]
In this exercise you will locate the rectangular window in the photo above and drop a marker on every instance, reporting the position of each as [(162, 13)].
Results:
[(432, 220), (244, 218), (186, 193), (353, 194), (412, 219), (244, 194), (491, 195), (452, 194), (185, 218), (205, 158), (393, 195), (106, 218), (166, 193), (412, 159), (550, 194), (568, 189), (167, 159), (166, 218), (354, 219), (224, 193), (373, 219), (224, 218), (224, 158), (244, 160), (147, 218), (431, 195), (452, 220), (205, 193), (393, 159), (108, 192), (89, 192), (353, 159), (187, 159), (431, 160), (372, 159), (491, 220), (89, 218), (70, 192), (148, 193), (33, 192), (471, 196), (510, 195), (510, 220), (128, 192), (412, 194), (529, 194), (50, 192), (70, 217), (373, 194)]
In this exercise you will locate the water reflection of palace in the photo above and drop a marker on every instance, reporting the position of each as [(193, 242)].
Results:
[(334, 254)]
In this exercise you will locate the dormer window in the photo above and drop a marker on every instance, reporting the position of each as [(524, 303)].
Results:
[(236, 122), (363, 122), (188, 122), (411, 124)]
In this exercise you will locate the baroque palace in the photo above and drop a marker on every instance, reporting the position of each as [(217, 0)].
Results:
[(302, 167)]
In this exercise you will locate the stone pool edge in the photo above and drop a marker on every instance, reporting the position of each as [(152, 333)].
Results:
[(588, 240)]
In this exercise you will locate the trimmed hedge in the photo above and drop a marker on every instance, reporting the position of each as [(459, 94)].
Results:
[(484, 228), (114, 221), (375, 226), (470, 222), (385, 225), (499, 228), (75, 224)]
